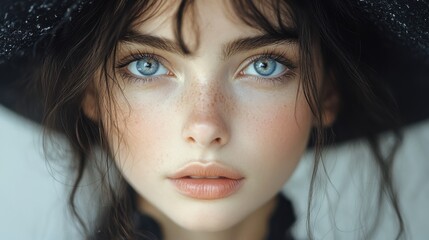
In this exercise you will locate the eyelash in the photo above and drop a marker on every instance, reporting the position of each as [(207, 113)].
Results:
[(278, 57)]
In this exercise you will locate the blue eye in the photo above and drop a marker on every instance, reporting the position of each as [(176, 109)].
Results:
[(265, 67), (147, 67)]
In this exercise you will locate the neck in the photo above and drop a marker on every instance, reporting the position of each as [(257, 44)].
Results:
[(254, 227)]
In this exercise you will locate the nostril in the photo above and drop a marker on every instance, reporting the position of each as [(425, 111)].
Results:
[(191, 140), (217, 140)]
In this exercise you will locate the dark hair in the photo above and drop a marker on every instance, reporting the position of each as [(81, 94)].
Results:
[(88, 43)]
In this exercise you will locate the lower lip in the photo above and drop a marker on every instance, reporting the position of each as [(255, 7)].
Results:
[(206, 188)]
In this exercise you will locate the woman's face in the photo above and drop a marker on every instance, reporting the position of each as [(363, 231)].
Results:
[(232, 113)]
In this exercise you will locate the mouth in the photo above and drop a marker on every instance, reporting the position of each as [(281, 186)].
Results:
[(207, 182), (201, 177)]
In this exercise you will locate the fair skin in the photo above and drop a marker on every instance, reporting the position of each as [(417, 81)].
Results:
[(207, 108)]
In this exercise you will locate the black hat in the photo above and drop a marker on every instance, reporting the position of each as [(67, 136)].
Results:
[(23, 26), (24, 23), (402, 25)]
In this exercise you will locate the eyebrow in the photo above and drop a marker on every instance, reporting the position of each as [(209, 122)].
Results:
[(249, 43), (229, 49), (153, 41)]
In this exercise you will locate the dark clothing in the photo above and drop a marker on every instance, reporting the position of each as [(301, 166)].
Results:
[(280, 223)]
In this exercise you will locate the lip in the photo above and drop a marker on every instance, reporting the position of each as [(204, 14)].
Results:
[(212, 181)]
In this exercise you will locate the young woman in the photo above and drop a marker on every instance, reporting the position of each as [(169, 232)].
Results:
[(206, 108)]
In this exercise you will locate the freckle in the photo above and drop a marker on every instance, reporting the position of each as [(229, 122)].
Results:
[(211, 96)]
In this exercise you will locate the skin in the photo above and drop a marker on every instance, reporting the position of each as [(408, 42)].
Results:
[(206, 109)]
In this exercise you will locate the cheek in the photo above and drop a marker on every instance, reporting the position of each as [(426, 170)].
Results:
[(288, 128), (139, 141), (277, 136)]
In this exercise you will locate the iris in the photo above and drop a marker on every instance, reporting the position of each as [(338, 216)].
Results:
[(265, 66), (147, 66)]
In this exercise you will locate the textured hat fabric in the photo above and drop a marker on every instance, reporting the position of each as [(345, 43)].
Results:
[(24, 23), (404, 21)]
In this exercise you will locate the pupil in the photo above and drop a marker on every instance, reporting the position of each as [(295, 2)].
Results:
[(147, 66), (265, 67)]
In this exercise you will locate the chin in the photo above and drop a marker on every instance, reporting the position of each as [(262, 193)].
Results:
[(207, 219)]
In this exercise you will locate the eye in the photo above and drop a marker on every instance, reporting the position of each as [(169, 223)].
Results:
[(147, 67), (265, 67)]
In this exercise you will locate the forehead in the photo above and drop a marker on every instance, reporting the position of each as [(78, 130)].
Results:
[(206, 20)]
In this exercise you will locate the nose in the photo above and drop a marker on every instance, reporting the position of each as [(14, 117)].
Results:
[(205, 130), (206, 125)]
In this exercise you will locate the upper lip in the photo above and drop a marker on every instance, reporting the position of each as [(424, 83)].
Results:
[(207, 170)]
